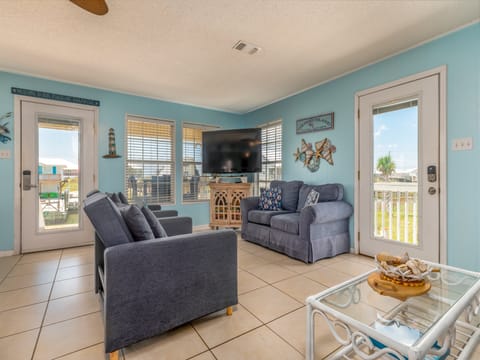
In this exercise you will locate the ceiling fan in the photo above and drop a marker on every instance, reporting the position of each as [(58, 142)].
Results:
[(97, 7)]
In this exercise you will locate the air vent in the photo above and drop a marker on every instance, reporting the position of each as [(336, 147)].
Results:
[(246, 48)]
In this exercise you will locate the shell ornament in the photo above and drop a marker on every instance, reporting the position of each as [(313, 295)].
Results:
[(4, 132)]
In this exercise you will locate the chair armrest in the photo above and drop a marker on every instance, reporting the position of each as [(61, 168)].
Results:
[(177, 225), (247, 204), (154, 207), (155, 285), (165, 213), (324, 212)]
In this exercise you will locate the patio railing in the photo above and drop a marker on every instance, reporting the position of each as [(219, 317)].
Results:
[(396, 211)]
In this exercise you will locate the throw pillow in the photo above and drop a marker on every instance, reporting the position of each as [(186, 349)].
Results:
[(270, 199), (157, 228), (137, 223), (114, 197), (312, 198), (123, 199)]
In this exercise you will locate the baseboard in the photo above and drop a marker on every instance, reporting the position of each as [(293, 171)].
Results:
[(7, 253), (353, 251)]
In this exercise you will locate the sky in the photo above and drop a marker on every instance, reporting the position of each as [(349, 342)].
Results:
[(396, 132), (58, 144)]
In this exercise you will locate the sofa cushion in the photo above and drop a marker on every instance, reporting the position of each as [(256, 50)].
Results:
[(107, 220), (328, 192), (114, 197), (286, 222), (123, 198), (263, 216), (270, 199), (157, 228), (137, 223), (290, 191)]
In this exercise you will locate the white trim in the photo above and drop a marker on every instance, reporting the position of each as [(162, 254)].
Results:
[(363, 66), (17, 115), (4, 253), (441, 71)]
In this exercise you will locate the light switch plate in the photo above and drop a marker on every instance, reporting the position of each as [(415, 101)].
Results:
[(461, 144), (4, 154)]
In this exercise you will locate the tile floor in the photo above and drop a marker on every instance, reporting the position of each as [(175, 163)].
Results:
[(48, 310)]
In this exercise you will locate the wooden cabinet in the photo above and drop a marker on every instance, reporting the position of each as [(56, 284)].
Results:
[(225, 203)]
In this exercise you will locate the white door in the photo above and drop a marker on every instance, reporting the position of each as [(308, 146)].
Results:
[(399, 170), (57, 170)]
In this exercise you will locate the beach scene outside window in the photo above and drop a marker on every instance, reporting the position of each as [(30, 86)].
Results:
[(395, 167), (58, 174)]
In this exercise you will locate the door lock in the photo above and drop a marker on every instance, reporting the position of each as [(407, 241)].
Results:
[(431, 173), (27, 180), (432, 190)]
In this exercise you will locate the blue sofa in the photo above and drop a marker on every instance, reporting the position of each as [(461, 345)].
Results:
[(151, 286), (307, 233)]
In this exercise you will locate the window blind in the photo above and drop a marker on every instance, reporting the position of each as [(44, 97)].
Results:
[(271, 154), (150, 161), (195, 184)]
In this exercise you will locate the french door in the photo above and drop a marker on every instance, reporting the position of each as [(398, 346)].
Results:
[(58, 168), (398, 166)]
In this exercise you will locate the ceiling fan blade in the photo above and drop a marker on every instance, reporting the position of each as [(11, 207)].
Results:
[(97, 7)]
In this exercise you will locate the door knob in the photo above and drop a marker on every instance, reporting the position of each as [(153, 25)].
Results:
[(432, 190), (27, 179)]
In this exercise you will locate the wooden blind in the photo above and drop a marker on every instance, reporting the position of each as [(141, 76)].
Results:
[(195, 184), (271, 154), (150, 161)]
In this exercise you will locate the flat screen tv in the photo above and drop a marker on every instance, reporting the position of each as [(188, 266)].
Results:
[(232, 151)]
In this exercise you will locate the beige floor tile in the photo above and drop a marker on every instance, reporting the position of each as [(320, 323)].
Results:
[(33, 268), (24, 281), (363, 259), (19, 346), (292, 328), (23, 297), (248, 246), (74, 271), (78, 251), (72, 306), (40, 256), (247, 282), (268, 303), (6, 264), (271, 255), (96, 352), (299, 287), (299, 266), (329, 261), (327, 276), (218, 328), (250, 261), (77, 260), (21, 319), (259, 344), (178, 344), (204, 356), (72, 286), (75, 334), (271, 273), (351, 267)]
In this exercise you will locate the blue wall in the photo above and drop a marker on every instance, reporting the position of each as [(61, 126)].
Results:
[(112, 112), (460, 51)]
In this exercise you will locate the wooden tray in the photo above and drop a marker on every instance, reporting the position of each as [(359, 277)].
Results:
[(400, 292)]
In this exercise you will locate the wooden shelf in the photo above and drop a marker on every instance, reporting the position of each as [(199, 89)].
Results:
[(225, 203)]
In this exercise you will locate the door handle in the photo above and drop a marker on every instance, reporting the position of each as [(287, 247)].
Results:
[(27, 180), (432, 190)]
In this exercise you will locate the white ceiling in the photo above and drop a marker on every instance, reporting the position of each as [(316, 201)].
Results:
[(181, 50)]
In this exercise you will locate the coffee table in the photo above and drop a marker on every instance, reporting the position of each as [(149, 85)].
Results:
[(437, 325)]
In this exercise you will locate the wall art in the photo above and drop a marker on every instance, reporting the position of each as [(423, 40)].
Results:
[(4, 132), (310, 155), (315, 123)]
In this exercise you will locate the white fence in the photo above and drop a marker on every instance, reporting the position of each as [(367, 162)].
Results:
[(396, 211)]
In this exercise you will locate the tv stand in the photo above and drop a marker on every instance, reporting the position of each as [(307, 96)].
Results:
[(225, 203)]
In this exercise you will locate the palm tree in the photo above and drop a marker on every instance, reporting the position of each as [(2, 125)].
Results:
[(386, 166)]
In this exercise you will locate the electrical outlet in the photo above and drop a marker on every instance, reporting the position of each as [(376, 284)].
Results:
[(4, 154), (462, 144)]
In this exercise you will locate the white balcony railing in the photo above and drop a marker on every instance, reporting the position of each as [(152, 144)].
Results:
[(395, 211)]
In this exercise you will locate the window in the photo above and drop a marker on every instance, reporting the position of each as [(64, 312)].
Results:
[(150, 161), (195, 184), (271, 154)]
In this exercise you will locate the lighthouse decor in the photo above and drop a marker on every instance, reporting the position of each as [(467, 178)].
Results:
[(112, 148)]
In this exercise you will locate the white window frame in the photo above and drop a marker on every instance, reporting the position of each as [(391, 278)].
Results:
[(145, 190), (263, 183), (203, 179)]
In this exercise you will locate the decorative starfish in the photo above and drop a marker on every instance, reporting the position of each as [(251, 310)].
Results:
[(297, 154)]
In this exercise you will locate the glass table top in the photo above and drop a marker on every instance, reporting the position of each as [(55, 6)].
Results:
[(358, 301)]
